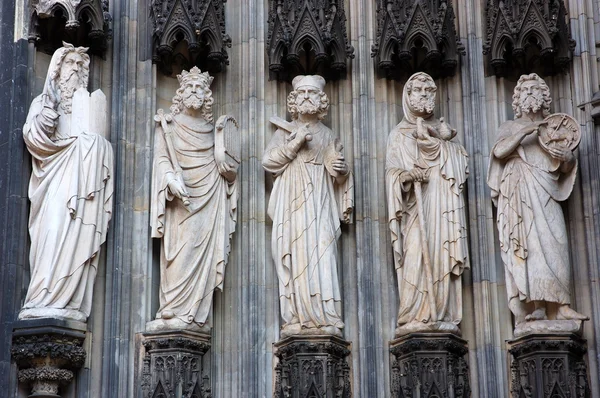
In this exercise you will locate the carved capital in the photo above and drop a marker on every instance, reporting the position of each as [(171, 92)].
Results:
[(312, 366), (526, 36), (47, 352), (429, 365), (416, 36), (549, 365), (173, 362), (188, 33), (307, 38), (84, 23)]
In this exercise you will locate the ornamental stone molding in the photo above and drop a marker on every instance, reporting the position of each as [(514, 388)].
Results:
[(525, 36), (429, 365), (84, 23), (549, 366), (307, 37), (416, 36), (312, 366), (188, 33), (48, 352), (172, 365)]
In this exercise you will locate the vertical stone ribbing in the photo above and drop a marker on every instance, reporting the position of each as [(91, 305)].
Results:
[(128, 245)]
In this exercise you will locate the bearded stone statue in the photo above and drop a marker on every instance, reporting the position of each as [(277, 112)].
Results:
[(194, 205), (425, 177), (313, 192), (532, 168), (70, 191)]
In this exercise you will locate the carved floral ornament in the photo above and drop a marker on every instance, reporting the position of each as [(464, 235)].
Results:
[(80, 22), (416, 36), (525, 36), (307, 37), (188, 33)]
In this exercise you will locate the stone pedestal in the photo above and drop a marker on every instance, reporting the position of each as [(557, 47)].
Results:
[(427, 365), (172, 364), (312, 366), (48, 352), (549, 366)]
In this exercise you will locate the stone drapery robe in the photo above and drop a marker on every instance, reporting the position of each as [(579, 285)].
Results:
[(306, 207), (526, 188), (196, 241), (70, 190), (445, 221)]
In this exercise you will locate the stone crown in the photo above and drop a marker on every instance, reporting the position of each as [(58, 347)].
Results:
[(194, 74)]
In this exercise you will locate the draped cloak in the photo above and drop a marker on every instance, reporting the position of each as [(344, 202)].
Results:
[(526, 188), (306, 207), (445, 221), (196, 241), (70, 190)]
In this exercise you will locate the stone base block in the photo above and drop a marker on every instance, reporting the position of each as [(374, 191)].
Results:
[(48, 352), (426, 365), (549, 366), (172, 364), (312, 366)]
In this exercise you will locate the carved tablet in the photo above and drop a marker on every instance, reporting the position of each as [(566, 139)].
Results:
[(561, 131)]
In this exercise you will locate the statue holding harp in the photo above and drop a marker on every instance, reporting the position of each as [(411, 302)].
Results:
[(194, 203)]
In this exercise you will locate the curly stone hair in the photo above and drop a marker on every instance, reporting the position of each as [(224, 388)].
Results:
[(293, 108), (547, 100), (207, 113)]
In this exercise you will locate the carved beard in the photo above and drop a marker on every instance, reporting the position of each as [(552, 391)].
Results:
[(307, 107), (422, 105), (531, 104), (193, 101), (68, 85)]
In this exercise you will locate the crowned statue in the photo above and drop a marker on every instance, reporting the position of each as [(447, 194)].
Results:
[(194, 203)]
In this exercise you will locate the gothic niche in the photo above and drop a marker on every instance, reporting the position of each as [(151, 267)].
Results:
[(416, 36), (79, 22), (307, 37), (189, 33), (525, 36)]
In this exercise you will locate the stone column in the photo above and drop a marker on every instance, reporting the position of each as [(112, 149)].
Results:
[(429, 365), (173, 364), (48, 352), (548, 366)]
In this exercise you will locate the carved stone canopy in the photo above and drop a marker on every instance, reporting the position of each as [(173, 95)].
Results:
[(307, 37), (83, 23), (416, 36), (188, 33), (525, 36)]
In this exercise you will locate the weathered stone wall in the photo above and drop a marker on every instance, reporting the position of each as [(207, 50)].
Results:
[(364, 109)]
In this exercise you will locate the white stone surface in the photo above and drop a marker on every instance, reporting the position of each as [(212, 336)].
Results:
[(425, 177), (313, 191), (194, 206), (70, 191), (528, 180)]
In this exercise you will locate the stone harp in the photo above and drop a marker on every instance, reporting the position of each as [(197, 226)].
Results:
[(228, 140)]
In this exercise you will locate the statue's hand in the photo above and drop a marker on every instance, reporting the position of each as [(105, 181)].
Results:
[(339, 164), (177, 189), (52, 96), (225, 169), (532, 128), (416, 174), (562, 154)]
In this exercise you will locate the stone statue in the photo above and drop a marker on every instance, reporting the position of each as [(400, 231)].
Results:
[(194, 204), (70, 191), (312, 192), (532, 168), (425, 177)]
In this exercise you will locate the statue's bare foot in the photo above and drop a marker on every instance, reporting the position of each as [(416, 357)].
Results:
[(567, 313), (537, 315), (167, 314)]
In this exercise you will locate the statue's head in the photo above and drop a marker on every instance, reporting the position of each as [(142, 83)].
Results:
[(308, 97), (531, 95), (419, 95), (69, 71), (194, 93)]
